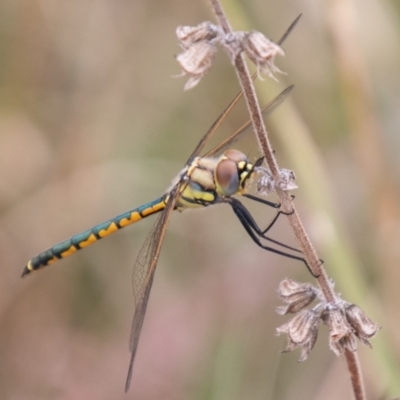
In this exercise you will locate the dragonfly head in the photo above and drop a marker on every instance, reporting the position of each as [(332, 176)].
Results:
[(232, 172)]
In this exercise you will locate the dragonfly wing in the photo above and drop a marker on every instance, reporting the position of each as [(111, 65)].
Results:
[(267, 110), (143, 274), (214, 127), (289, 30)]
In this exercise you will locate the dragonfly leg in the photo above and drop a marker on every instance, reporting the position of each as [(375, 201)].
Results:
[(262, 201), (271, 224), (271, 204), (245, 215), (278, 214), (255, 232)]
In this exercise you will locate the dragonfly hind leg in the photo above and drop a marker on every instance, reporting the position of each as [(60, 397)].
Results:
[(245, 217), (255, 232), (272, 223)]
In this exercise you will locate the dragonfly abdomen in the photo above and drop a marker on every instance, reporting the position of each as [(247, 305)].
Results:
[(84, 239)]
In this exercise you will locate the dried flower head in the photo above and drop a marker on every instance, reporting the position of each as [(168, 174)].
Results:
[(348, 342), (296, 296), (262, 52), (301, 331), (340, 331), (196, 61), (188, 35), (346, 322), (198, 43), (287, 179), (335, 319), (364, 328), (266, 184)]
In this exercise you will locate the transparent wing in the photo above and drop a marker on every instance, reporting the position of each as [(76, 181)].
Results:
[(213, 128), (289, 30), (268, 109), (143, 273)]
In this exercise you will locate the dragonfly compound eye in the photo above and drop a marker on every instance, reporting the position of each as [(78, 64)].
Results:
[(235, 155), (227, 177)]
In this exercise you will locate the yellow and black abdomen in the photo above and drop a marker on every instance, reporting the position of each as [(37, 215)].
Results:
[(83, 239)]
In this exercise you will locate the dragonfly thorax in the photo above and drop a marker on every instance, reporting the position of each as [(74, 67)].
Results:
[(210, 179)]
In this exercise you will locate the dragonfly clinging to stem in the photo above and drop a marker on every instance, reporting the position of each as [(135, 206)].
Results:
[(204, 181)]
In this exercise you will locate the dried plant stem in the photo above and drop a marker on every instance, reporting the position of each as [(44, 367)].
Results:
[(355, 374), (310, 254)]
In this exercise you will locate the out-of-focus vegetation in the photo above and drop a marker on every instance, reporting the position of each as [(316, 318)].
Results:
[(92, 123)]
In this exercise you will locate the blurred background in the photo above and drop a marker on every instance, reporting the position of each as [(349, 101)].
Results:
[(93, 123)]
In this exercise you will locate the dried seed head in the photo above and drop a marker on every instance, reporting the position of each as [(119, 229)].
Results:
[(336, 321), (196, 61), (287, 179), (348, 342), (188, 35), (362, 325), (198, 43), (340, 332), (301, 331), (296, 296), (265, 181), (266, 184), (262, 52), (346, 322)]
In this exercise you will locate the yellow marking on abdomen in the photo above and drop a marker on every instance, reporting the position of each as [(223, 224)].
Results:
[(152, 210), (112, 228), (91, 239), (135, 216), (52, 261), (68, 252)]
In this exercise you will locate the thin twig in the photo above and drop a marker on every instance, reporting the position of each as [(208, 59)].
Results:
[(287, 204), (355, 374)]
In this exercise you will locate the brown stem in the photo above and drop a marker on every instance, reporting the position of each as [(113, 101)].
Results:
[(308, 249), (355, 375)]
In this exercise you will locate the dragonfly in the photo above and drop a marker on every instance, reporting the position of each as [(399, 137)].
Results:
[(204, 181)]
